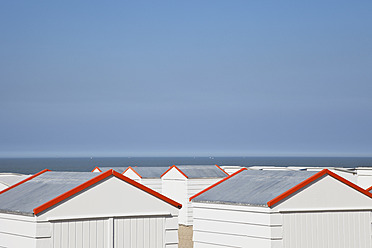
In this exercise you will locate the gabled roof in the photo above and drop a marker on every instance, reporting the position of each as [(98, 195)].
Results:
[(119, 169), (148, 172), (45, 189), (199, 171), (263, 187)]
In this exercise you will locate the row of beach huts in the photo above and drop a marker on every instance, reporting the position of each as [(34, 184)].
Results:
[(227, 206)]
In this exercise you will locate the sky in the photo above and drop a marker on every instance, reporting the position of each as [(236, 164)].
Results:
[(185, 78)]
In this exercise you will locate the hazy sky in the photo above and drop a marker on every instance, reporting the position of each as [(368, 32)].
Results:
[(185, 78)]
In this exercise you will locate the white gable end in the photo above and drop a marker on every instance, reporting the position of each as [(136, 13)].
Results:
[(173, 173), (326, 193), (110, 197), (132, 174)]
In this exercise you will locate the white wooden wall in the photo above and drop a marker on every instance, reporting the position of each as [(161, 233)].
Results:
[(327, 230), (217, 225), (177, 190), (153, 183), (194, 186), (133, 232), (23, 231)]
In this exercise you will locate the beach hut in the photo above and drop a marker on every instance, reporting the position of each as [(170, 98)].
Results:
[(182, 182), (84, 209), (282, 209)]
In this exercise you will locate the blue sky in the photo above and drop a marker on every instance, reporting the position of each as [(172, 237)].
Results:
[(158, 78)]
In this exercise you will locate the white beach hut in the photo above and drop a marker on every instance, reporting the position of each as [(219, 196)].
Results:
[(80, 209), (182, 182), (283, 209)]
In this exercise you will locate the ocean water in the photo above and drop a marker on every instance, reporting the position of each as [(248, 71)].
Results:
[(33, 165)]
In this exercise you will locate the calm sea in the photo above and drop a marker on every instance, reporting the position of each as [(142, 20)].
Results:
[(33, 165)]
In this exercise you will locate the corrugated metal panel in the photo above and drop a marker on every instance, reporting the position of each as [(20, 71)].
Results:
[(202, 171), (139, 232), (327, 230), (93, 233), (150, 172), (117, 169), (254, 187), (43, 188)]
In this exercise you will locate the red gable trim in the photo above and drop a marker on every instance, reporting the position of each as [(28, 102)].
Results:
[(25, 180), (214, 185), (312, 179), (96, 180), (173, 166), (221, 169), (133, 171), (97, 169)]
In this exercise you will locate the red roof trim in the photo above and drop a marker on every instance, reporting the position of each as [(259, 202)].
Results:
[(312, 179), (221, 169), (25, 180), (214, 185), (133, 171), (369, 189), (96, 180), (173, 166), (97, 169)]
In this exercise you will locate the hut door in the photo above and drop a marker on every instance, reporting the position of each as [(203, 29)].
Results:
[(139, 232)]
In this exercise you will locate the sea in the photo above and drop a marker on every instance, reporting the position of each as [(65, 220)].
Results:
[(87, 164)]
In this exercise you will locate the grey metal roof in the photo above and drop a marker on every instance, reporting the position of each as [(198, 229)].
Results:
[(117, 169), (150, 172), (144, 171), (39, 190), (254, 187), (202, 171)]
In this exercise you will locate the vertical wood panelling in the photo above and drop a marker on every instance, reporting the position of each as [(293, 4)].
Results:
[(86, 234), (93, 234), (327, 230), (65, 234), (76, 234), (101, 229), (72, 234), (57, 230), (125, 233), (139, 232), (146, 233), (79, 233)]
